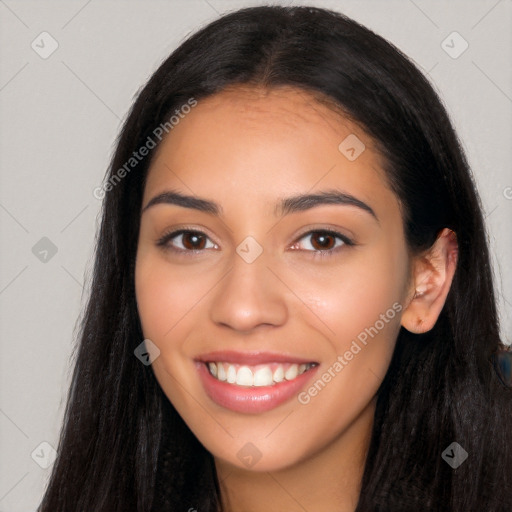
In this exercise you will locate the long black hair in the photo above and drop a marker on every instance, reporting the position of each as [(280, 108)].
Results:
[(123, 447)]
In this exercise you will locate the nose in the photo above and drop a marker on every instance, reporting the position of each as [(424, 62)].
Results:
[(249, 295)]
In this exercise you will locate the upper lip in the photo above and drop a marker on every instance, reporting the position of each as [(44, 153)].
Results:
[(250, 358)]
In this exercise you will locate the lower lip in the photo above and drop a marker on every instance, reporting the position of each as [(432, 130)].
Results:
[(251, 399)]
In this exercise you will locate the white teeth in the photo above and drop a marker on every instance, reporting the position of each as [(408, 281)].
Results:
[(231, 375), (263, 377), (221, 373), (292, 372), (278, 374), (244, 376)]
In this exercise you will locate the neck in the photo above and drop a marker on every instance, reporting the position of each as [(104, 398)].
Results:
[(329, 480)]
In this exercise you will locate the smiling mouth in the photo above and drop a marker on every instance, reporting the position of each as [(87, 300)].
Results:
[(257, 375)]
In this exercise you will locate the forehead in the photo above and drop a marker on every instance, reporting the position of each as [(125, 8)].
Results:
[(272, 109), (261, 143), (288, 105)]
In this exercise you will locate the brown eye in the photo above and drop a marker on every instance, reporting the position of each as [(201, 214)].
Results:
[(190, 241), (193, 241), (324, 241)]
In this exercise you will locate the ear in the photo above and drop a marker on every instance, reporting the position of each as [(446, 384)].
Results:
[(432, 275)]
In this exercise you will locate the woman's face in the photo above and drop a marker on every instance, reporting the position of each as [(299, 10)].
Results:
[(293, 304)]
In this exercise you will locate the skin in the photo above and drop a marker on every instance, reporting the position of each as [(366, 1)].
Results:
[(247, 148)]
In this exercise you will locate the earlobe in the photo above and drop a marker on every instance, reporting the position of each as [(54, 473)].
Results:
[(431, 281)]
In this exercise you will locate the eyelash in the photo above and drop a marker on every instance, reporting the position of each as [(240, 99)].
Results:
[(165, 239)]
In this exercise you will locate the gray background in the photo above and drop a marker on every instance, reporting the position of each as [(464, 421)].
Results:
[(59, 120)]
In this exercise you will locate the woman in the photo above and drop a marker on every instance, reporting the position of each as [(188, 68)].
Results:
[(292, 306)]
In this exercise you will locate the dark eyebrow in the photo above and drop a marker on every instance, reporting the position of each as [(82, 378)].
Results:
[(286, 206), (196, 203), (306, 201)]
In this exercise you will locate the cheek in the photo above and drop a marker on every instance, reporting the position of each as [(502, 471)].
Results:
[(165, 294), (364, 324), (363, 315), (361, 309), (165, 301), (362, 298), (152, 296)]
